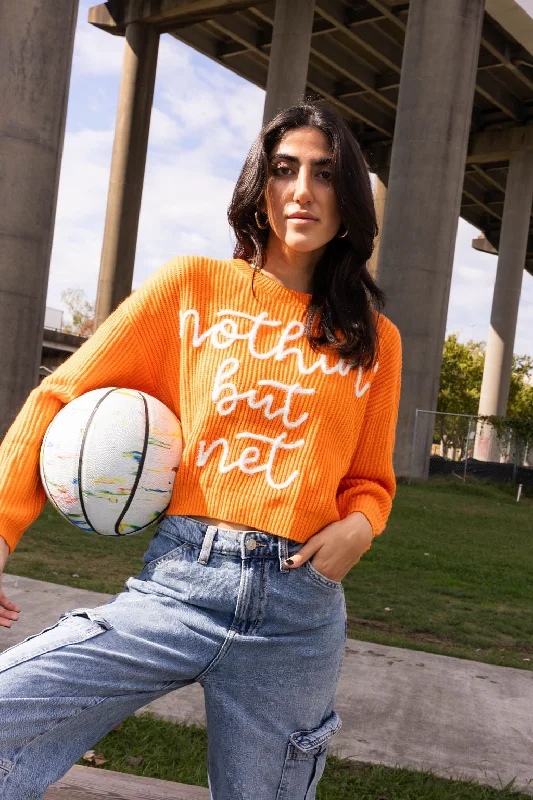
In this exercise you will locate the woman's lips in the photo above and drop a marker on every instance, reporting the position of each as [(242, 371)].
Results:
[(302, 219)]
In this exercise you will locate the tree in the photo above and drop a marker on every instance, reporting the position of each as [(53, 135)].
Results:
[(460, 388), (461, 375), (81, 311), (521, 390)]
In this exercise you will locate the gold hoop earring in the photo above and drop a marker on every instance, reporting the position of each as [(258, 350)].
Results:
[(263, 227), (342, 235)]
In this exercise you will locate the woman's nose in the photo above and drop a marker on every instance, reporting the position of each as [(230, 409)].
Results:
[(302, 189)]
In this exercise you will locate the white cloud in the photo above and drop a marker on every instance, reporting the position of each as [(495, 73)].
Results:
[(173, 57), (472, 290), (524, 331), (205, 99), (196, 108), (84, 175), (163, 129), (184, 206), (96, 52), (80, 213), (194, 149)]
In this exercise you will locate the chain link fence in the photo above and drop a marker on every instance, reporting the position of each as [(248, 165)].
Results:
[(463, 447)]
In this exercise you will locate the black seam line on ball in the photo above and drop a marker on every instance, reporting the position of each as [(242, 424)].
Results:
[(140, 466), (82, 448)]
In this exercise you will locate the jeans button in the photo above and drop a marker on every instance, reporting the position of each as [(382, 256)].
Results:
[(251, 544)]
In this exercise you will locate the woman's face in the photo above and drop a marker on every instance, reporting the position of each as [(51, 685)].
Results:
[(297, 183)]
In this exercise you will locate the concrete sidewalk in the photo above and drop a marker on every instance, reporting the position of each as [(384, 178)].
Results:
[(457, 718)]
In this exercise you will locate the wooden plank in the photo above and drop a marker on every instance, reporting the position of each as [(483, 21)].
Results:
[(89, 783)]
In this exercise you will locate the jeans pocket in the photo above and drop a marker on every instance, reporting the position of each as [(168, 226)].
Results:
[(305, 760), (163, 547), (87, 624), (319, 578)]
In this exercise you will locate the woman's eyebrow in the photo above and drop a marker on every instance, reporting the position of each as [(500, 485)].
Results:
[(315, 162)]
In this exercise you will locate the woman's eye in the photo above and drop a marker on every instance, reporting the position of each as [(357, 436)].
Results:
[(279, 171)]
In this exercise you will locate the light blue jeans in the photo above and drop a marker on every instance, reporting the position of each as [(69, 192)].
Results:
[(210, 605)]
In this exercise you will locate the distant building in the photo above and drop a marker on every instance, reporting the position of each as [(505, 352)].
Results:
[(58, 345), (53, 319)]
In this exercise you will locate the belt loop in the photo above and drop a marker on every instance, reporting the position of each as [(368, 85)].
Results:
[(205, 552), (283, 549)]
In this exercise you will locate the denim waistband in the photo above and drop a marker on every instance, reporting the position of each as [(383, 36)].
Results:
[(246, 544)]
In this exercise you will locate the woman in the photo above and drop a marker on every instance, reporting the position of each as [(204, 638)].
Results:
[(286, 380)]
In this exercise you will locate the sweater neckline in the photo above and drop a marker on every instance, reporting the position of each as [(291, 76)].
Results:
[(271, 286)]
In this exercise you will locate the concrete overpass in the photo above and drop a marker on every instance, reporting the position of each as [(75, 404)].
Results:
[(438, 94), (58, 346)]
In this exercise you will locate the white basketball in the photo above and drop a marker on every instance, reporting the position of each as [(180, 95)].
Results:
[(109, 458)]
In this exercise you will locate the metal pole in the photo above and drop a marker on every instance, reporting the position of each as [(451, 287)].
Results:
[(448, 414), (413, 448), (516, 455), (466, 449)]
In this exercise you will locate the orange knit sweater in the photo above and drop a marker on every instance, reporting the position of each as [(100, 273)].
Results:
[(276, 436)]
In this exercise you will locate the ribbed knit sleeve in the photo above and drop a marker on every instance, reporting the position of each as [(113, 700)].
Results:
[(115, 355), (370, 484)]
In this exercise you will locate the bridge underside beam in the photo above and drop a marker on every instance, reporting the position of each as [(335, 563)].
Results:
[(164, 14)]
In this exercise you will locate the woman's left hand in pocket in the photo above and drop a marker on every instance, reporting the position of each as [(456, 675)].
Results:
[(335, 549)]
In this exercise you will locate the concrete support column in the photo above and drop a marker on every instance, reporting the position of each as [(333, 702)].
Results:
[(289, 55), (506, 299), (127, 168), (35, 60), (423, 199), (380, 199)]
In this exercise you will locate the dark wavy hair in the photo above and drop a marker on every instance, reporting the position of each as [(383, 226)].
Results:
[(340, 313)]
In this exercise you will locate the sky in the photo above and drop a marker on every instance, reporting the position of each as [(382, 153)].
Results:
[(204, 120)]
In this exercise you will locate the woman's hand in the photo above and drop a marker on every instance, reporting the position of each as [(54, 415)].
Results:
[(8, 609), (337, 547)]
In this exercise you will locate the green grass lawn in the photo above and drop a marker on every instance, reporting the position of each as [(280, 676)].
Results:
[(454, 566), (178, 753)]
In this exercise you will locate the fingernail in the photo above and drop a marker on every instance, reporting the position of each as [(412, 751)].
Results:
[(289, 561)]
